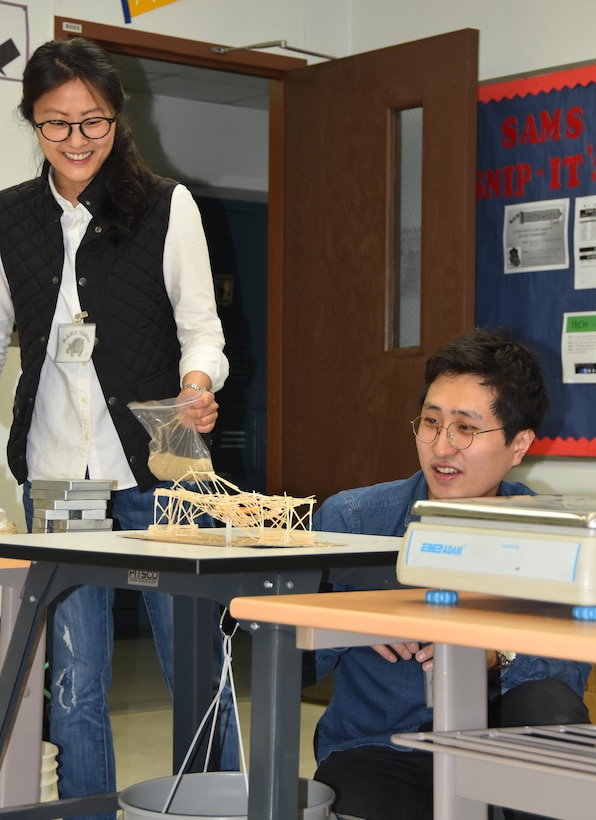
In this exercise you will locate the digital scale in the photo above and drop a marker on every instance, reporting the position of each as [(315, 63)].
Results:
[(539, 547)]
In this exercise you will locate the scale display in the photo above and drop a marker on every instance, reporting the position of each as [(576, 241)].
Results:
[(535, 547)]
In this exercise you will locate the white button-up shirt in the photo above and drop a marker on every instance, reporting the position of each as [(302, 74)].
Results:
[(72, 431)]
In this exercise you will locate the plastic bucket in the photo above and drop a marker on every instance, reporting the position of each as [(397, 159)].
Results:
[(213, 796)]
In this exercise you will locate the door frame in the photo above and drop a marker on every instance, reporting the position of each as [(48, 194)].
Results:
[(136, 43)]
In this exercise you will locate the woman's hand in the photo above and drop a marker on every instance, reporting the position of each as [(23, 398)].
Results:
[(202, 413)]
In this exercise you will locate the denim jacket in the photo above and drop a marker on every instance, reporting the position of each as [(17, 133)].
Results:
[(372, 698)]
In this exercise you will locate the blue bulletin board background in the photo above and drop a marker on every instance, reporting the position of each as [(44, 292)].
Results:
[(536, 157)]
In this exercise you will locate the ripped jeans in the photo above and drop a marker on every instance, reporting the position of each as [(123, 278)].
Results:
[(80, 643), (81, 629)]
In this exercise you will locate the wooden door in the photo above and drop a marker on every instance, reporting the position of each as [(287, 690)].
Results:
[(340, 395)]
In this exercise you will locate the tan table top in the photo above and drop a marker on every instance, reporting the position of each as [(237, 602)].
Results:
[(13, 563), (482, 621)]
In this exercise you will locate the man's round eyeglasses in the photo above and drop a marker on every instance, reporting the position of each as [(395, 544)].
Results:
[(459, 435), (94, 128)]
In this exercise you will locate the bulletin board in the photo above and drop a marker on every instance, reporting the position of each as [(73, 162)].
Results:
[(536, 238)]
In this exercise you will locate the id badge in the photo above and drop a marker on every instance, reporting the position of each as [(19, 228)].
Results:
[(75, 342)]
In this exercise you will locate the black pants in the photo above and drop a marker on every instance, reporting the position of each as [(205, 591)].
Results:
[(380, 783)]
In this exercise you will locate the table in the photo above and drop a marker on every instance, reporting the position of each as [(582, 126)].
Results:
[(190, 572), (464, 780)]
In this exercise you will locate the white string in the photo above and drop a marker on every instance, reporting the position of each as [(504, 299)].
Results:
[(214, 706)]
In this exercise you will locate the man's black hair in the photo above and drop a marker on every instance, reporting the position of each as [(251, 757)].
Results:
[(505, 365)]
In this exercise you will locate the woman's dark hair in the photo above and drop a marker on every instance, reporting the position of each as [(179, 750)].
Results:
[(129, 179), (505, 365)]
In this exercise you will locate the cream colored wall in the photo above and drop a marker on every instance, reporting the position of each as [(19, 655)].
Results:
[(19, 161), (514, 37), (572, 476)]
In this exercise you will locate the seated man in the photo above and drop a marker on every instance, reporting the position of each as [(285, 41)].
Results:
[(484, 400)]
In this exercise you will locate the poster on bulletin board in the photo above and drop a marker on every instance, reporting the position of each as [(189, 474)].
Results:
[(536, 238)]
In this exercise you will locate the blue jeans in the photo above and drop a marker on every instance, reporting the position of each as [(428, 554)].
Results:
[(80, 644)]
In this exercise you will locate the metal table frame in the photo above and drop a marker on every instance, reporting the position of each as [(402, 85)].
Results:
[(19, 774), (466, 776), (195, 575)]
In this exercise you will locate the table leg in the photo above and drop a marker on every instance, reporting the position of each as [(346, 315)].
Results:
[(43, 583), (275, 723), (24, 639), (193, 677), (19, 773), (460, 702)]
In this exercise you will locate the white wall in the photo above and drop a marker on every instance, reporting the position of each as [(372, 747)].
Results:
[(19, 161), (18, 158), (514, 38)]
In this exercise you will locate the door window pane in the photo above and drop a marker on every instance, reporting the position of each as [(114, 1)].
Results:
[(406, 307)]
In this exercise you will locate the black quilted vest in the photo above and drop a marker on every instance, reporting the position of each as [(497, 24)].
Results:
[(121, 286)]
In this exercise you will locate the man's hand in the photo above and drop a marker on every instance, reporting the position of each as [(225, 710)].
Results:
[(406, 651)]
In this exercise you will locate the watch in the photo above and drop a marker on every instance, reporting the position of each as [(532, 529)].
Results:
[(506, 659)]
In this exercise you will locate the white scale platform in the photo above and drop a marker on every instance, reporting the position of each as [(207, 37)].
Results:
[(541, 548)]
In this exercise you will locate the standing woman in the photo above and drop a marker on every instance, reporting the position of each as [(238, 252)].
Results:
[(98, 239)]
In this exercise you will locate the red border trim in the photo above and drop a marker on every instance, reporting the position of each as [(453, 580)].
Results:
[(521, 87), (563, 447)]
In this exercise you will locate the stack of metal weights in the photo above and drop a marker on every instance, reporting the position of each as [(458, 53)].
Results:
[(71, 505)]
